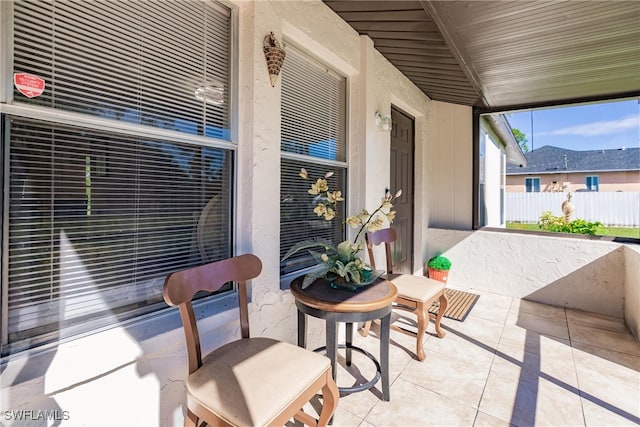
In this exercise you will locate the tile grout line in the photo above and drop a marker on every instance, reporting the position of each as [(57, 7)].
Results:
[(575, 370), (504, 324)]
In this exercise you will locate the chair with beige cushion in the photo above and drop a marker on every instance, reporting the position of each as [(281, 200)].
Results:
[(416, 294), (249, 381)]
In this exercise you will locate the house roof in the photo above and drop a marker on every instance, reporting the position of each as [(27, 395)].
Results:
[(552, 160), (503, 130), (501, 54)]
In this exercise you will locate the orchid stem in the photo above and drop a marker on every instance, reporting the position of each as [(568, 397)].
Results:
[(365, 224)]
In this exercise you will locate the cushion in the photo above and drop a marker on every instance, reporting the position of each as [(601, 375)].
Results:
[(417, 288), (249, 381)]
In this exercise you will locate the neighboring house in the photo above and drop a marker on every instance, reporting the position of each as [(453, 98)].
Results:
[(550, 169)]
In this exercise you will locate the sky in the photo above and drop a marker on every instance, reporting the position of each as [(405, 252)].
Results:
[(595, 126)]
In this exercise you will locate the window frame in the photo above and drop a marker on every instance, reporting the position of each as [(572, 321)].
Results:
[(132, 130), (591, 178), (535, 180)]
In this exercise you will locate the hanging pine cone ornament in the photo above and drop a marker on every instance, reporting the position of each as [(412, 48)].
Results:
[(274, 55)]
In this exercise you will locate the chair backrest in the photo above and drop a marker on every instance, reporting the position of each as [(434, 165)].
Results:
[(180, 287), (386, 236)]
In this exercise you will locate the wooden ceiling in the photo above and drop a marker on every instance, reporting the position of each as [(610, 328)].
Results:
[(506, 54)]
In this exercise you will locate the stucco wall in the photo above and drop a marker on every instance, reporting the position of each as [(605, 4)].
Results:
[(134, 374), (386, 87), (562, 271), (632, 289)]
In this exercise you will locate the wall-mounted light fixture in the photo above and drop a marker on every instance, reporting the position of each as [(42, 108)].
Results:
[(383, 121)]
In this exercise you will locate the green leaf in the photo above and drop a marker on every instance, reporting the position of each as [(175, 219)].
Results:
[(315, 274), (314, 243), (347, 250)]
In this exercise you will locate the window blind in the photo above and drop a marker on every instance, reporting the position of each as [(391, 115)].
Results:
[(313, 108), (98, 220), (297, 219), (313, 137), (134, 61)]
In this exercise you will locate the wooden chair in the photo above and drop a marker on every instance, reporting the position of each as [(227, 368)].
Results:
[(249, 381), (416, 294)]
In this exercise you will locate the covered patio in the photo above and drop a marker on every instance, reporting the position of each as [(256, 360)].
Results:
[(553, 338), (513, 361)]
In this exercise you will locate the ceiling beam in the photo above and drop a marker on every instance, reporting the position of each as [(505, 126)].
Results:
[(445, 26)]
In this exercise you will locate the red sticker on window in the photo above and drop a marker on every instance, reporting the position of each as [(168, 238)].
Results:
[(28, 84)]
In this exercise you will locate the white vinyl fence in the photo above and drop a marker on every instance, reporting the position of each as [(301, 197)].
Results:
[(610, 208)]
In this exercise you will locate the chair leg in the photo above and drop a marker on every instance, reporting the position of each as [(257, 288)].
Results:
[(190, 419), (330, 397), (423, 321), (444, 302), (364, 331)]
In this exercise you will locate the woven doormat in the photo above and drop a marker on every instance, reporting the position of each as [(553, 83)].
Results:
[(460, 304)]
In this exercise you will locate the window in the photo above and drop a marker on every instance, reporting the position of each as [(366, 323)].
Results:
[(588, 153), (592, 183), (134, 62), (532, 185), (100, 211), (313, 137)]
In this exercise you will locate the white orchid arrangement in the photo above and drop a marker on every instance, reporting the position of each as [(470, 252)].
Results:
[(342, 261)]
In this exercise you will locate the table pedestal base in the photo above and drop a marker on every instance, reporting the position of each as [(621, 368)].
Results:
[(362, 387), (337, 306), (332, 320)]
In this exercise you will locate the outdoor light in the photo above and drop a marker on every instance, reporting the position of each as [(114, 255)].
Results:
[(383, 121)]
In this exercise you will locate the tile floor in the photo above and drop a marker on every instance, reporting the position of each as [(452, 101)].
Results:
[(510, 363)]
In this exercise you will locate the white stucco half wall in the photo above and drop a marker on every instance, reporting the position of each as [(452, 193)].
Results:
[(572, 272), (632, 289)]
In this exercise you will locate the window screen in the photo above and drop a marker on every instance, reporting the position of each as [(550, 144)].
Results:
[(313, 137)]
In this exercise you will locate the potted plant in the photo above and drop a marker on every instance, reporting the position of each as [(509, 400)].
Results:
[(341, 263), (438, 268)]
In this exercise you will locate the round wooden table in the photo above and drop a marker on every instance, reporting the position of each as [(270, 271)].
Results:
[(340, 305)]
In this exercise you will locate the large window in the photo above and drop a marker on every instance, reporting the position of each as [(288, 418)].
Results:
[(136, 62), (100, 210), (313, 137), (585, 156)]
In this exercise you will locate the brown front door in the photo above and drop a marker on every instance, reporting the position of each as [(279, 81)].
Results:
[(402, 143)]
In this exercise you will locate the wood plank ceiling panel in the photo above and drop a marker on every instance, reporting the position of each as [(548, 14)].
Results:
[(495, 54), (409, 39)]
